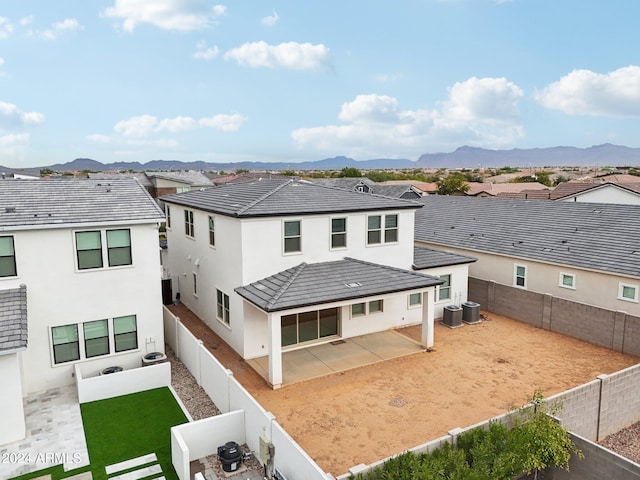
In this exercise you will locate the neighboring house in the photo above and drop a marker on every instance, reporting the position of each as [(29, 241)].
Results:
[(493, 189), (397, 191), (141, 177), (625, 193), (79, 267), (243, 177), (165, 183), (357, 184), (421, 188), (274, 265), (584, 253)]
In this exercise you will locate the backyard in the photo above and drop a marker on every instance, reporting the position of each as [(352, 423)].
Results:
[(474, 373)]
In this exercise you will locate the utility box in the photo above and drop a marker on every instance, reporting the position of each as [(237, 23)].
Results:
[(471, 312), (452, 316), (266, 450)]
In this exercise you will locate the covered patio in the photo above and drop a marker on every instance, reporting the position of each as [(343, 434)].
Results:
[(338, 356)]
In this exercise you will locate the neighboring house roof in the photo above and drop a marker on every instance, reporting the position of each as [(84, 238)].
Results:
[(529, 194), (13, 319), (318, 283), (243, 177), (34, 203), (140, 176), (267, 198), (424, 187), (189, 177), (347, 183), (496, 188), (571, 189), (430, 258), (594, 236), (396, 191)]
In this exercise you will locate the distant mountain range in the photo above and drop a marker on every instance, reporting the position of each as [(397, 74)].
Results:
[(464, 157)]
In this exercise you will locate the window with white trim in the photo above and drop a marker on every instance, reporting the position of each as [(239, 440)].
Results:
[(375, 306), (90, 254), (89, 250), (415, 299), (212, 231), (7, 257), (444, 290), (292, 236), (382, 229), (125, 333), (167, 210), (189, 230), (96, 338), (223, 311), (368, 308), (567, 280), (119, 247), (628, 292), (195, 284), (338, 232), (520, 276), (358, 309), (66, 345)]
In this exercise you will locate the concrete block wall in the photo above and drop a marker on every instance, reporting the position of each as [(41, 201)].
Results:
[(598, 463), (631, 341), (579, 409), (620, 400), (584, 322), (521, 305)]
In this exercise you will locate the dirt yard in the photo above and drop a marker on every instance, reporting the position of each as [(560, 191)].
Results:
[(474, 372)]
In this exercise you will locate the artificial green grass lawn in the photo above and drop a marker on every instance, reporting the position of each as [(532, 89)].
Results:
[(123, 428), (130, 426)]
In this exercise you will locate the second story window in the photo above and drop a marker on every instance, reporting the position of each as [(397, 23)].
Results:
[(7, 257), (212, 232), (292, 237), (89, 250), (390, 228), (376, 234), (338, 232), (119, 247), (188, 223), (168, 215)]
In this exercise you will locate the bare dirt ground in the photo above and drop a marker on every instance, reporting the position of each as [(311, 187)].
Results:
[(474, 373)]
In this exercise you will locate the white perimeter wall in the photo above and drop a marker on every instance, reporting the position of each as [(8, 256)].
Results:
[(13, 426), (58, 294), (591, 288)]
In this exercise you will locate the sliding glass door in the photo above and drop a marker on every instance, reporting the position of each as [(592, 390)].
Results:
[(309, 326)]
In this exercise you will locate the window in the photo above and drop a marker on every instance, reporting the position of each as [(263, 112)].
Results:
[(89, 250), (119, 247), (338, 232), (390, 228), (308, 326), (415, 299), (375, 230), (358, 309), (96, 338), (195, 284), (444, 292), (66, 347), (125, 333), (292, 236), (567, 280), (188, 223), (182, 189), (223, 307), (168, 215), (628, 292), (375, 306), (520, 279), (7, 257), (212, 232)]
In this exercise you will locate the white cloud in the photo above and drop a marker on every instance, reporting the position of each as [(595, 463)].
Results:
[(14, 144), (12, 117), (6, 27), (181, 15), (225, 123), (583, 92), (24, 21), (270, 20), (98, 138), (139, 126), (67, 25), (204, 52), (293, 55), (178, 124), (480, 112)]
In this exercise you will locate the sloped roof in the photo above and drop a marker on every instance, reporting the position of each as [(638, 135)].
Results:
[(594, 236), (28, 203), (395, 191), (348, 183), (319, 283), (188, 177), (495, 188), (528, 194), (13, 319), (431, 258), (569, 189), (268, 197), (140, 176)]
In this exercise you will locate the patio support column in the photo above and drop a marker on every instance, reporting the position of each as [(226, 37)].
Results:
[(275, 350), (428, 306)]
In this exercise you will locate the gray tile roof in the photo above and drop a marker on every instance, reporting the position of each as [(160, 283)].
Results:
[(52, 202), (396, 191), (13, 319), (189, 177), (602, 237), (140, 176), (269, 197), (430, 258), (319, 283)]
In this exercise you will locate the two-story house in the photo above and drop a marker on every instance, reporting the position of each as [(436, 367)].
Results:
[(80, 270), (273, 265)]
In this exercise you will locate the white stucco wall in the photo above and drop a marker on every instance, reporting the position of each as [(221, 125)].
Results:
[(459, 286), (606, 194), (13, 426), (591, 287), (59, 294)]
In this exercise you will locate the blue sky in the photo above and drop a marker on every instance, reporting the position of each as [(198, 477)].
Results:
[(140, 80)]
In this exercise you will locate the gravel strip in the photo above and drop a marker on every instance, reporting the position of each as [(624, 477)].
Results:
[(626, 442), (193, 396)]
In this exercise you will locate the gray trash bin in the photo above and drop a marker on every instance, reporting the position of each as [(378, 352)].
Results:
[(452, 316), (471, 312)]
